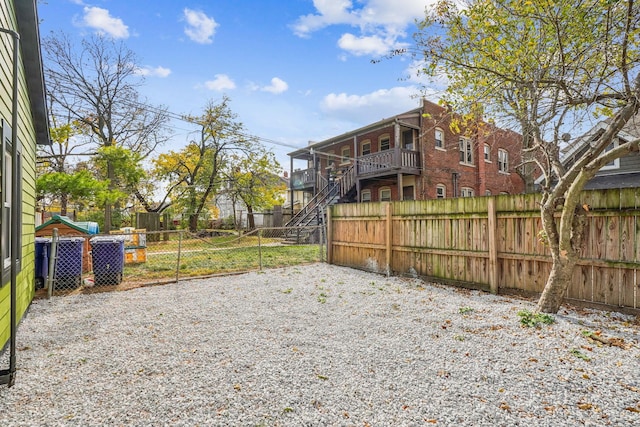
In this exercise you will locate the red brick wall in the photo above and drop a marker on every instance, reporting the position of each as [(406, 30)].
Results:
[(440, 165)]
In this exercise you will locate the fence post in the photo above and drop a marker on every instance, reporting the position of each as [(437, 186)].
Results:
[(329, 235), (493, 244), (389, 237), (179, 251), (259, 250), (52, 262)]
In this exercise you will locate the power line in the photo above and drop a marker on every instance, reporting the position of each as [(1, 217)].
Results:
[(184, 118)]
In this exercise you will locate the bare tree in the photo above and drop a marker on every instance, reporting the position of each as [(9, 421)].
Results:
[(96, 83)]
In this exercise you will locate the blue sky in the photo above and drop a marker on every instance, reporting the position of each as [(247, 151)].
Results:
[(295, 70)]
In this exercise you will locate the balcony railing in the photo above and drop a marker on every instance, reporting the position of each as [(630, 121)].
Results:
[(398, 159), (303, 179), (394, 160)]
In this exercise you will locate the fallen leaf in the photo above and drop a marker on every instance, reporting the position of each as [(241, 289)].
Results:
[(431, 421), (585, 406)]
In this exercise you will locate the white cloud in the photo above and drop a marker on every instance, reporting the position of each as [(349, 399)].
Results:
[(277, 86), (391, 15), (381, 23), (154, 72), (329, 12), (102, 21), (368, 45), (221, 83), (372, 106), (200, 28)]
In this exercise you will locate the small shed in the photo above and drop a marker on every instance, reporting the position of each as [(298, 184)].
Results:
[(66, 227)]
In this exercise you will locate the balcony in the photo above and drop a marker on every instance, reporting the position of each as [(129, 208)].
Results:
[(303, 179), (397, 160)]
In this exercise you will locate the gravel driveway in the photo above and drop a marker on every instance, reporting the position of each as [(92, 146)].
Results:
[(317, 345)]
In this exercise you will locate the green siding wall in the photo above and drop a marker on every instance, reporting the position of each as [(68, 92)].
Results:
[(26, 134)]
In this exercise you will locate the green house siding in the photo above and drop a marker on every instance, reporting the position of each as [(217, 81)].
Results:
[(26, 135)]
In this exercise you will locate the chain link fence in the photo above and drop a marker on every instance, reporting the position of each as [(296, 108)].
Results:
[(123, 260)]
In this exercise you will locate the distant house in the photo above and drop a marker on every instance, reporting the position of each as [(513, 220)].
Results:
[(412, 156), (620, 173), (237, 211), (24, 123)]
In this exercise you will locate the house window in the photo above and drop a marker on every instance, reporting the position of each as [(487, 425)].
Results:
[(466, 192), (487, 153), (385, 143), (346, 155), (441, 191), (439, 135), (385, 194), (366, 148), (614, 164), (466, 151), (365, 196), (8, 156), (503, 161), (408, 137), (487, 192), (408, 193), (6, 206)]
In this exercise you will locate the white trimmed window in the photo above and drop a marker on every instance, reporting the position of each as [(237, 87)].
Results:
[(441, 191), (10, 186), (614, 164), (487, 153), (385, 194), (385, 143), (6, 206), (466, 192), (503, 160), (466, 151), (365, 196), (439, 137), (366, 148), (346, 155)]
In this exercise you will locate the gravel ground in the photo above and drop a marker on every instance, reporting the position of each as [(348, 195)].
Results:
[(317, 345)]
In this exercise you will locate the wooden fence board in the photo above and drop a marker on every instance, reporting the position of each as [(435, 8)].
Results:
[(450, 239), (626, 289)]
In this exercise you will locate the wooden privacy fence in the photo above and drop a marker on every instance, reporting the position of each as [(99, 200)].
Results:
[(492, 243)]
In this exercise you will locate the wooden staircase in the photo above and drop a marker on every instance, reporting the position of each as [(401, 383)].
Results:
[(314, 212)]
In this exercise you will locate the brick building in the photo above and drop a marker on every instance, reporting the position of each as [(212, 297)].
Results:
[(412, 156)]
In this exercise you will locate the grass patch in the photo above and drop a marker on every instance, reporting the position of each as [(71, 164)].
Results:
[(204, 261), (534, 320)]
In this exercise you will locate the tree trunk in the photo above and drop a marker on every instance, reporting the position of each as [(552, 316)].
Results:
[(250, 219), (64, 201), (107, 208), (193, 222), (556, 286), (565, 240)]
